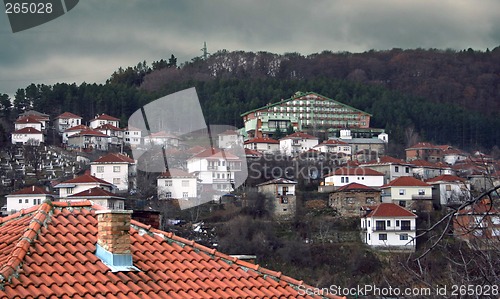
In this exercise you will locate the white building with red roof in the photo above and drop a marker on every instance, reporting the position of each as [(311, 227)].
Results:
[(162, 138), (178, 184), (346, 175), (405, 191), (425, 170), (334, 147), (89, 139), (390, 227), (98, 196), (216, 169), (26, 198), (103, 119), (38, 116), (132, 136), (263, 145), (73, 131), (29, 121), (27, 135), (391, 167), (449, 190), (115, 134), (82, 183), (297, 143), (66, 120), (117, 169)]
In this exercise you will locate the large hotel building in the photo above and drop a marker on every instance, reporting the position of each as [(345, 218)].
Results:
[(307, 111)]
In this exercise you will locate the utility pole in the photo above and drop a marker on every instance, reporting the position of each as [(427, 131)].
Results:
[(204, 50)]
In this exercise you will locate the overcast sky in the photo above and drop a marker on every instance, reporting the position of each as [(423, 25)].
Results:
[(96, 37)]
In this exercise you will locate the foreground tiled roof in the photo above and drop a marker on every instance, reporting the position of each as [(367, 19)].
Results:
[(114, 158), (390, 210), (48, 251)]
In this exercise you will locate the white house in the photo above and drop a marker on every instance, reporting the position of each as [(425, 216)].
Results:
[(66, 120), (162, 138), (346, 175), (89, 139), (297, 143), (132, 136), (178, 184), (27, 135), (216, 169), (73, 131), (405, 191), (229, 139), (41, 117), (263, 145), (82, 183), (99, 196), (103, 119), (425, 170), (392, 168), (334, 147), (389, 227), (26, 198), (115, 134), (117, 169), (28, 122), (452, 156), (449, 190)]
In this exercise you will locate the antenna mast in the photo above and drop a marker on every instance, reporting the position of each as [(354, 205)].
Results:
[(204, 50)]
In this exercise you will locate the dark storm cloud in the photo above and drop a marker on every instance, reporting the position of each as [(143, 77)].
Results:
[(96, 37)]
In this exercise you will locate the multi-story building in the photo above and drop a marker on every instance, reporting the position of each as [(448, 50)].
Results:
[(103, 119), (392, 168), (28, 122), (26, 198), (27, 135), (132, 136), (280, 194), (66, 120), (89, 139), (425, 151), (348, 200), (117, 169), (263, 145), (408, 192), (178, 184), (297, 143), (389, 227), (346, 175), (304, 111), (98, 196), (82, 183), (115, 134), (449, 190)]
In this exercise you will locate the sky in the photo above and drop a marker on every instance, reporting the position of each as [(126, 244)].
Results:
[(95, 38)]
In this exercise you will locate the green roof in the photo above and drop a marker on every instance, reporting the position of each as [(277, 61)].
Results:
[(298, 95)]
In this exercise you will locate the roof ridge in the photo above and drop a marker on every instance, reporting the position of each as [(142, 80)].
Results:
[(29, 235)]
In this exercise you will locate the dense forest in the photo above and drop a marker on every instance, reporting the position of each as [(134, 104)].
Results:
[(443, 96)]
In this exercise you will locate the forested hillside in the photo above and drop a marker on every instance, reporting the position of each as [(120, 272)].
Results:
[(444, 96)]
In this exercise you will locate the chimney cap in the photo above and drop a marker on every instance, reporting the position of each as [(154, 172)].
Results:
[(114, 211)]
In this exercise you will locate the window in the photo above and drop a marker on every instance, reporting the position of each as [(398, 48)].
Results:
[(26, 201), (448, 187), (20, 201), (403, 237), (402, 191), (396, 168), (116, 168), (388, 222), (421, 192), (116, 181), (380, 225), (100, 169), (407, 169), (185, 183), (284, 200), (402, 203), (349, 200), (34, 201), (405, 225), (39, 201), (69, 190), (342, 179), (168, 183), (168, 194), (185, 195), (397, 223), (347, 179), (382, 237)]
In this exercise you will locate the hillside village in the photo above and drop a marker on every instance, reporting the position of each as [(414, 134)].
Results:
[(305, 153)]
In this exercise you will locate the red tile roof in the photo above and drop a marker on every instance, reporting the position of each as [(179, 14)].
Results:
[(48, 251), (30, 119), (90, 132), (300, 135), (424, 163), (250, 152), (333, 142), (445, 178), (77, 128), (262, 140), (279, 181), (27, 130), (31, 190), (215, 154), (94, 192), (423, 145), (362, 171), (405, 181), (85, 179), (114, 158), (386, 160), (105, 117), (173, 173), (68, 115), (390, 210), (356, 187), (108, 127)]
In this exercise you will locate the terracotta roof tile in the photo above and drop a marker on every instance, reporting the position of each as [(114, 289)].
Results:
[(108, 127), (356, 187), (30, 119), (94, 192), (445, 178), (86, 178), (105, 117), (77, 128), (406, 181), (299, 135), (262, 140), (31, 190), (68, 115), (114, 158), (390, 210), (27, 130), (50, 254)]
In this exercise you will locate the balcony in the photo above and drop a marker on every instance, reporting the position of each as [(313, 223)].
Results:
[(394, 229)]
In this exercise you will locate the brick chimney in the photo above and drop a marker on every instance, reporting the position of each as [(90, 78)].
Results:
[(113, 239)]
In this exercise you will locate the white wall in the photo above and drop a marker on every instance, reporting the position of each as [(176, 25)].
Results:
[(24, 138), (288, 147), (99, 122), (177, 187), (342, 180), (392, 231), (27, 201), (20, 126), (113, 173), (63, 192)]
